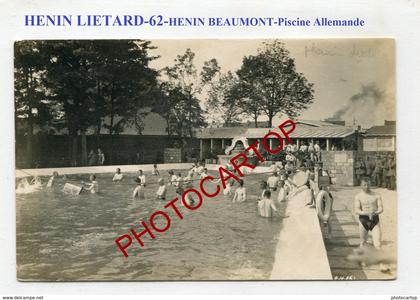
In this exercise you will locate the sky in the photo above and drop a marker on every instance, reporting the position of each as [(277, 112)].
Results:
[(338, 68)]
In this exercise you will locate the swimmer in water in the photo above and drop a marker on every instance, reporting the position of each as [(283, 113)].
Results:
[(227, 191), (23, 186), (93, 186), (263, 187), (155, 170), (273, 167), (266, 206), (189, 200), (282, 196), (287, 186), (36, 182), (204, 173), (139, 190), (142, 177), (161, 192), (229, 167), (192, 171), (178, 182), (52, 179), (279, 167), (118, 176), (173, 179), (200, 169), (240, 193), (188, 181), (273, 182), (23, 183)]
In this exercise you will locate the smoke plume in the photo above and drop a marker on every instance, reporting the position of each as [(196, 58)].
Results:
[(368, 107)]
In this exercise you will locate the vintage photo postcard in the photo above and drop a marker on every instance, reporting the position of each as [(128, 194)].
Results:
[(177, 159)]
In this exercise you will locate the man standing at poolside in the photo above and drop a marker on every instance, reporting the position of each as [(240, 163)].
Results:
[(317, 149), (368, 206), (377, 172)]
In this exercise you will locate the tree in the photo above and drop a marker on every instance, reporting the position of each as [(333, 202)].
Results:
[(270, 80), (100, 84), (223, 100), (165, 101), (181, 92), (124, 79), (31, 105), (82, 84), (125, 84), (70, 82)]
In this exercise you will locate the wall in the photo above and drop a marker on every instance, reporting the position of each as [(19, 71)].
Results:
[(379, 143), (55, 150), (340, 165), (172, 155)]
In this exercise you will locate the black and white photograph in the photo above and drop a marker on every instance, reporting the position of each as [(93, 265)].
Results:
[(205, 159)]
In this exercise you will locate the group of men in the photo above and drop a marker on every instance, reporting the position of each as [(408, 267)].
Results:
[(311, 151), (381, 170)]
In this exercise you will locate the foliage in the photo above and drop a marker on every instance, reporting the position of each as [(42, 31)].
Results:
[(270, 80), (30, 100), (82, 84), (95, 80), (179, 102), (223, 106), (85, 84)]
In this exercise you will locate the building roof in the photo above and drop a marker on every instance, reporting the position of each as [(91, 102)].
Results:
[(322, 132), (220, 133), (304, 129), (384, 130), (319, 123)]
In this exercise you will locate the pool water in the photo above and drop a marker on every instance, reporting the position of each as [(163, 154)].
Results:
[(62, 237)]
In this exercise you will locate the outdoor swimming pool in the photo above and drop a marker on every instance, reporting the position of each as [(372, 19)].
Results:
[(65, 238)]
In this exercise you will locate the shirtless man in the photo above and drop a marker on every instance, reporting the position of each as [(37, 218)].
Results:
[(118, 176), (368, 206)]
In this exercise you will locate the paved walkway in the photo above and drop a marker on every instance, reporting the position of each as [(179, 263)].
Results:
[(345, 236)]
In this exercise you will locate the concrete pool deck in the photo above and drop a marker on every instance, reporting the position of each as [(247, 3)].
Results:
[(97, 169), (346, 238), (300, 252), (20, 173)]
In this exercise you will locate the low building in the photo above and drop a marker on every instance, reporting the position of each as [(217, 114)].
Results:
[(329, 136), (380, 138)]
